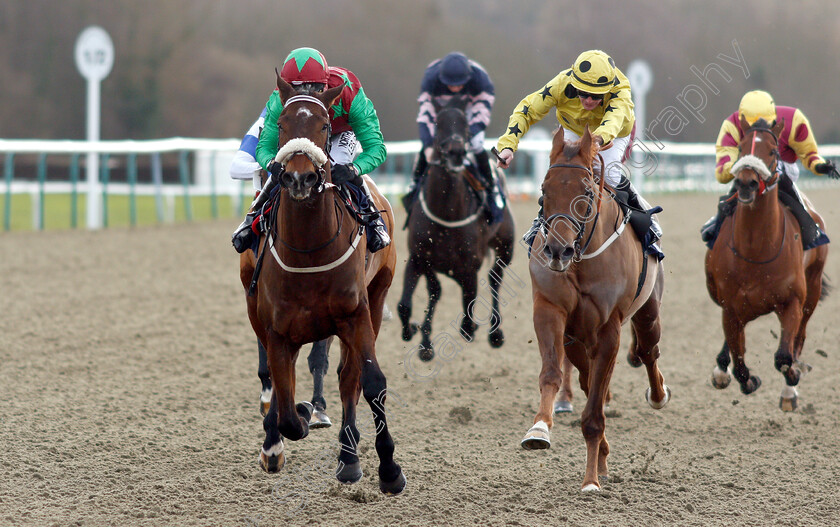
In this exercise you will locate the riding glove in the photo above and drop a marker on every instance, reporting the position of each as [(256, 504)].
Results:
[(343, 173), (827, 168)]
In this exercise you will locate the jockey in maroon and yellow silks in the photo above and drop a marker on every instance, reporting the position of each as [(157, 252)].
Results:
[(795, 142)]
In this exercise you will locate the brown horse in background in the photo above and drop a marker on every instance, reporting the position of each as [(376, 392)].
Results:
[(319, 281), (589, 276), (758, 266)]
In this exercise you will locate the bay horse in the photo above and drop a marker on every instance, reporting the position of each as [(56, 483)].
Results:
[(758, 266), (319, 281), (589, 276), (318, 356), (448, 234)]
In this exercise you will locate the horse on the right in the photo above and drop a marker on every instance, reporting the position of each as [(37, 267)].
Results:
[(758, 266)]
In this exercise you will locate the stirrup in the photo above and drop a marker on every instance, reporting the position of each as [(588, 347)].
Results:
[(378, 237)]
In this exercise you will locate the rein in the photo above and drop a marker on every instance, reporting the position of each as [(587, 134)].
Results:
[(450, 224)]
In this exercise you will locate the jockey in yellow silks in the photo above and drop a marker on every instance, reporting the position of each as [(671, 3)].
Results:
[(592, 92)]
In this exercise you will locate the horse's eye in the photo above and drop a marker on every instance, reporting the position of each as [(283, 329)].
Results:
[(324, 128)]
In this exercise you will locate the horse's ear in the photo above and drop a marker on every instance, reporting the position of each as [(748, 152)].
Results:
[(557, 144), (744, 124), (328, 97), (778, 127), (286, 90), (586, 144)]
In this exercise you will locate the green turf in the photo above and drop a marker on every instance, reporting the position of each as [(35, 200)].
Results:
[(58, 211)]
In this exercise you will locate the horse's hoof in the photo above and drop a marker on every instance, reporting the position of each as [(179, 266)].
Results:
[(562, 407), (349, 474), (319, 419), (273, 460), (789, 401), (592, 487), (394, 487), (661, 404), (537, 438), (497, 339), (426, 353), (752, 384), (720, 378), (633, 359)]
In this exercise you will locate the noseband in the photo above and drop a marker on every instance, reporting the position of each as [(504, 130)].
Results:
[(766, 172)]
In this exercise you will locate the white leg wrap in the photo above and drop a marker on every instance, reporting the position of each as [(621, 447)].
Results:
[(789, 392)]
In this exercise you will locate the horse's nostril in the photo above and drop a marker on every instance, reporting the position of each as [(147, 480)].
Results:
[(286, 179), (310, 180), (567, 253), (753, 184)]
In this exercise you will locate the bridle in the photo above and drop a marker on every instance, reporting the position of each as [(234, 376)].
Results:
[(298, 146), (770, 179), (319, 157), (580, 226), (763, 187)]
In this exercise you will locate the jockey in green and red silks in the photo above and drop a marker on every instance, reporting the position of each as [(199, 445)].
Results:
[(353, 119)]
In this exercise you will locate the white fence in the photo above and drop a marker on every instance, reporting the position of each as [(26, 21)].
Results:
[(199, 168)]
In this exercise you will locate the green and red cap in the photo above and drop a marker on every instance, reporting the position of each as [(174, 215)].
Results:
[(305, 65)]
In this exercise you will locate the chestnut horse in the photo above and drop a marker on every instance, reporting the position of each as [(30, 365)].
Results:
[(758, 266), (448, 234), (319, 281), (589, 276)]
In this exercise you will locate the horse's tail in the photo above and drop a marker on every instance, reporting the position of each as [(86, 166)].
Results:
[(826, 287)]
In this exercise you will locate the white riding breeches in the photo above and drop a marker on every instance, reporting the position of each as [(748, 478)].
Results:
[(477, 142), (612, 156), (343, 147), (790, 169)]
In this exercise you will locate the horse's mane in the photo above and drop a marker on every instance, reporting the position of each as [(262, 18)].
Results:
[(761, 124)]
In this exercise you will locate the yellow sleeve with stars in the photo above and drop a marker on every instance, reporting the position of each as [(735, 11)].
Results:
[(613, 118), (802, 141), (531, 110)]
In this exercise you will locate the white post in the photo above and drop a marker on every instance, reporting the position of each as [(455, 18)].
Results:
[(94, 192), (94, 59)]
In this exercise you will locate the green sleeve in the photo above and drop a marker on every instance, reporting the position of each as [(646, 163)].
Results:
[(365, 124), (267, 145)]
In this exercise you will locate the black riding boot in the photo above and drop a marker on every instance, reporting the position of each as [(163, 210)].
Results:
[(726, 206), (244, 236), (651, 232), (377, 233), (419, 170), (495, 200), (812, 235)]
